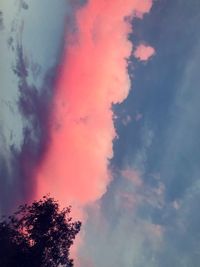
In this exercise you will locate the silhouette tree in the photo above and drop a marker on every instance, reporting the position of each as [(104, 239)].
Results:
[(38, 235)]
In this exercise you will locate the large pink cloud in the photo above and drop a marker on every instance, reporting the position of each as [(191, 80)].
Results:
[(93, 76)]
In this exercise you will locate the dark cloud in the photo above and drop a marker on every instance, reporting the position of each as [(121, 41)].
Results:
[(36, 72), (1, 21), (24, 5), (34, 105)]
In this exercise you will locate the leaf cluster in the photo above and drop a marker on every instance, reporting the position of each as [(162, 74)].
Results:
[(38, 235)]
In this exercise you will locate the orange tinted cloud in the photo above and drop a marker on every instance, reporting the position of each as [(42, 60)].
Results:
[(144, 52), (93, 77)]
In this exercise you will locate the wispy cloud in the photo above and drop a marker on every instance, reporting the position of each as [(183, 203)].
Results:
[(27, 89)]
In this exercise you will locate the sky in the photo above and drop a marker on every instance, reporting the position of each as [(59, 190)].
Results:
[(99, 108)]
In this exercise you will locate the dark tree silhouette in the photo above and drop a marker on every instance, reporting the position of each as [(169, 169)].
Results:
[(38, 235)]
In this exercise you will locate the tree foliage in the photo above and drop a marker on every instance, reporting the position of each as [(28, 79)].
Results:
[(38, 235)]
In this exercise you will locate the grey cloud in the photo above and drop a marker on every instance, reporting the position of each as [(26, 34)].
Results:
[(1, 21), (27, 95)]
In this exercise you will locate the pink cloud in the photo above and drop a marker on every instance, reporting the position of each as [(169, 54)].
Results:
[(144, 52), (93, 76), (156, 230), (133, 176), (127, 200)]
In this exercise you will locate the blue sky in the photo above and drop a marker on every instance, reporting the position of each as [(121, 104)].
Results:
[(163, 145)]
